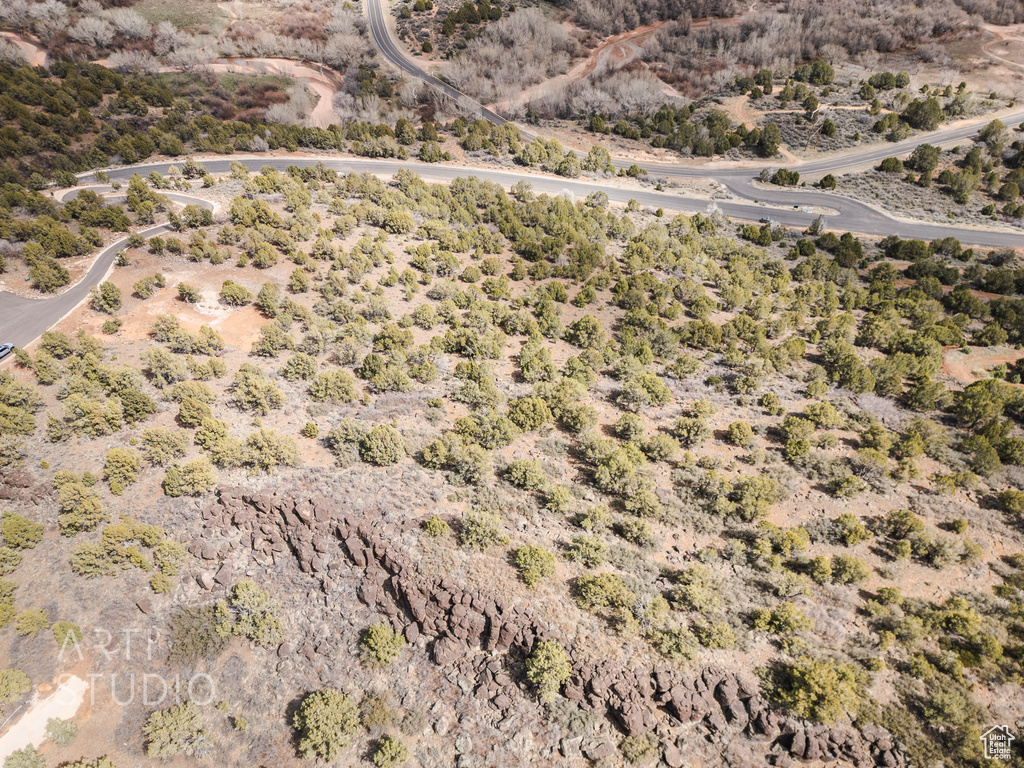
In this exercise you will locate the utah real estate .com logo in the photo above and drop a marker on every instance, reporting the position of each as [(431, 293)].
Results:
[(997, 742)]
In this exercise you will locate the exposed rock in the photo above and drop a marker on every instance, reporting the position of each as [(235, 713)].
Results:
[(459, 621), (673, 756), (595, 750), (225, 576)]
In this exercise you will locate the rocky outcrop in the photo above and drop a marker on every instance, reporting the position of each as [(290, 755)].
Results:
[(457, 622), (19, 484)]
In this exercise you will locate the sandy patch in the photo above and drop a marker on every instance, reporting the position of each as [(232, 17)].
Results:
[(30, 728)]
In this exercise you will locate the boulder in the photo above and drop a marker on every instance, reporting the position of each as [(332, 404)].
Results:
[(447, 650), (225, 576), (597, 749)]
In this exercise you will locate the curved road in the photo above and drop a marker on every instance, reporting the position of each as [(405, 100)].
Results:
[(395, 55), (738, 180), (23, 320)]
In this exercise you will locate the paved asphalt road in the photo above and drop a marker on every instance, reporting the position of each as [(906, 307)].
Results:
[(394, 53), (23, 320)]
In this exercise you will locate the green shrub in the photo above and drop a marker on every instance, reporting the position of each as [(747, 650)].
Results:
[(646, 390), (754, 496), (630, 427), (106, 298), (162, 445), (192, 412), (250, 612), (10, 559), (27, 757), (435, 526), (299, 366), (850, 530), (847, 569), (820, 569), (380, 646), (639, 749), (535, 563), (267, 449), (691, 431), (334, 387), (786, 619), (255, 392), (660, 448), (382, 446), (1011, 501), (326, 721), (677, 644), (121, 469), (13, 683), (819, 690), (376, 712), (177, 730), (481, 530), (189, 293), (697, 589), (32, 621), (637, 531), (557, 498), (739, 433), (588, 550), (80, 507), (20, 532), (718, 635), (603, 590), (193, 478), (390, 753), (169, 556), (233, 294), (61, 732), (527, 474), (529, 413), (548, 668)]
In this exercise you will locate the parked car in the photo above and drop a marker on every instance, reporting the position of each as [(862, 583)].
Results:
[(766, 220), (5, 350)]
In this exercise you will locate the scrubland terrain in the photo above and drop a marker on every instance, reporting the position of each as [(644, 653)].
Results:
[(675, 447), (370, 471)]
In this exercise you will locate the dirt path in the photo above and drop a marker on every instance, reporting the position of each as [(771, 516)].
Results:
[(610, 54), (30, 728), (613, 52), (34, 54), (975, 366), (229, 9), (317, 81), (1009, 41)]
